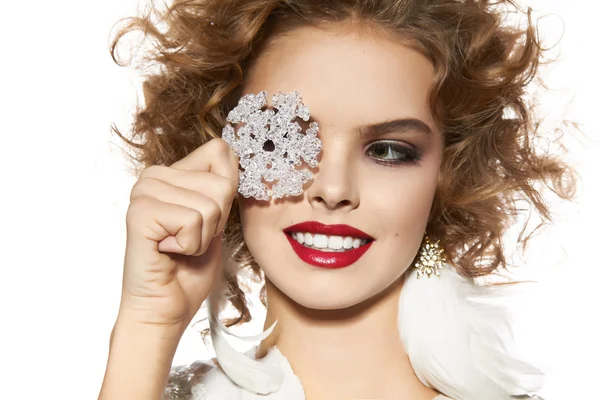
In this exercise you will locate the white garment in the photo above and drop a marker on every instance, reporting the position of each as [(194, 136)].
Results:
[(459, 338), (215, 385), (457, 335)]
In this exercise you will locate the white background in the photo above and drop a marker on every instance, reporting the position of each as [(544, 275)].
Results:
[(65, 191)]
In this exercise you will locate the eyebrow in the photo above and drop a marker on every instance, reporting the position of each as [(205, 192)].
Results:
[(397, 125)]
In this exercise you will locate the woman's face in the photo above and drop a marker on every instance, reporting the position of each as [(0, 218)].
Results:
[(377, 178)]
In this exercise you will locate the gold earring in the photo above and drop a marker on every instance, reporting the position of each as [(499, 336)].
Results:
[(431, 259)]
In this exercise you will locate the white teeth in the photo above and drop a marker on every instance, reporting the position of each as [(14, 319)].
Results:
[(320, 241), (308, 239), (334, 243), (348, 242)]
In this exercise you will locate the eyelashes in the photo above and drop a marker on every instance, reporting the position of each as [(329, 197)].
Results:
[(392, 153)]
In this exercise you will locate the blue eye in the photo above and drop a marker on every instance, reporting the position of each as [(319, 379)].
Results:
[(390, 152)]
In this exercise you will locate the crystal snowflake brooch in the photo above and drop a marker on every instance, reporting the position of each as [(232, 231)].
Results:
[(271, 144)]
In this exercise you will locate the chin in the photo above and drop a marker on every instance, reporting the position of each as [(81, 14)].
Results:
[(332, 301), (323, 291)]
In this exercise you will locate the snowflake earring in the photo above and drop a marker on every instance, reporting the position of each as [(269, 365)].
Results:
[(431, 258), (270, 145)]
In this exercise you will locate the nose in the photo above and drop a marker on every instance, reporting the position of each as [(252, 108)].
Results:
[(335, 185)]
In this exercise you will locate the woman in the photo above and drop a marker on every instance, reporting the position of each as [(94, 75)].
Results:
[(366, 157)]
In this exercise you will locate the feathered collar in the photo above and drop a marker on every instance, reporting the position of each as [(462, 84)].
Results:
[(458, 336)]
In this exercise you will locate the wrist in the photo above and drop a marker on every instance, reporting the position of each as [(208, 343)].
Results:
[(140, 358), (126, 326)]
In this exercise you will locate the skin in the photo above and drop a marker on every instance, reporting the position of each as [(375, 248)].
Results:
[(342, 323)]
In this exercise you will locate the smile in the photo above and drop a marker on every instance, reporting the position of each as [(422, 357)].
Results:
[(328, 246), (328, 243)]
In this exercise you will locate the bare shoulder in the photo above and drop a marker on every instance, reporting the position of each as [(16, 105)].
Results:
[(182, 379)]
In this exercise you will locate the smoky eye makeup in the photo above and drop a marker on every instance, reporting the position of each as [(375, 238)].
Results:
[(392, 153)]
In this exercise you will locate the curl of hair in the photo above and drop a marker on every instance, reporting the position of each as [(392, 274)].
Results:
[(204, 48)]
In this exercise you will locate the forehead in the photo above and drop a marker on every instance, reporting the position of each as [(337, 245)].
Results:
[(360, 78)]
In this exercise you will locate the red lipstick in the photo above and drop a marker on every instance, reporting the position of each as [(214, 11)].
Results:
[(328, 259)]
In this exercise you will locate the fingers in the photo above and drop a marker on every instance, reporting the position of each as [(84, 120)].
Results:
[(200, 187), (214, 156), (221, 190), (207, 216), (167, 220)]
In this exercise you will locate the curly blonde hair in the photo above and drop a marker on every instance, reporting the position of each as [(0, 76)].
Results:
[(204, 48)]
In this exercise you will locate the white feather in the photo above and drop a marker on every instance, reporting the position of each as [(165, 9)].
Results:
[(459, 337), (243, 370)]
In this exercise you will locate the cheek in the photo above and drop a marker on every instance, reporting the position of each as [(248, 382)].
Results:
[(251, 213), (256, 215), (253, 218), (402, 199)]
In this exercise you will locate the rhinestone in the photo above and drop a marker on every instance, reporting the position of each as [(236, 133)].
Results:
[(287, 145)]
